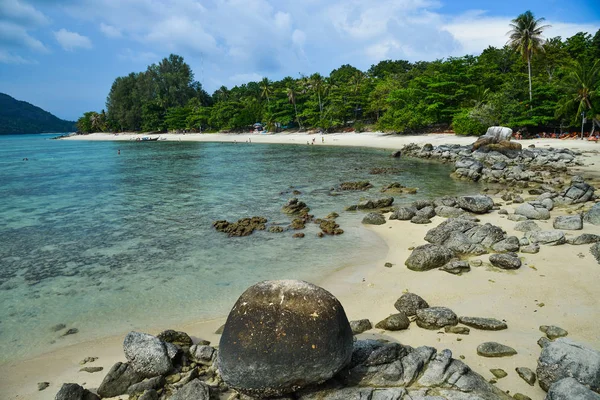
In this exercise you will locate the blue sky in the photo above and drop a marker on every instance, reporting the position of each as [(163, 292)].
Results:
[(64, 55)]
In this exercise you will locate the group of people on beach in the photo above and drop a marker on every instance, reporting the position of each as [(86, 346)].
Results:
[(313, 141)]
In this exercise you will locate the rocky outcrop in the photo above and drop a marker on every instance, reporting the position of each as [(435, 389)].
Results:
[(295, 207), (243, 227), (465, 237), (564, 358), (281, 336), (360, 185)]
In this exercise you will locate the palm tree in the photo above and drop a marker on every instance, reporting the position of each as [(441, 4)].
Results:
[(291, 94), (317, 84), (526, 38), (265, 88), (581, 88)]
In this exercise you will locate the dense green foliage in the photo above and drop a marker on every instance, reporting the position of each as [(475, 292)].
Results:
[(466, 93), (21, 117)]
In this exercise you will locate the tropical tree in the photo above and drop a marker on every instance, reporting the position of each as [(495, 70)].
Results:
[(582, 87), (291, 93), (265, 89), (526, 38)]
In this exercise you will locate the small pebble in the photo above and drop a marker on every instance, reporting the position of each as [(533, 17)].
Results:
[(43, 385), (71, 331), (91, 370)]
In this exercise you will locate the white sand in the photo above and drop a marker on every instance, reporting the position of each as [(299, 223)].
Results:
[(564, 278)]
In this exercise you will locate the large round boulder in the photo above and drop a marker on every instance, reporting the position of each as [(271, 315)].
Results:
[(479, 204), (281, 336), (147, 355)]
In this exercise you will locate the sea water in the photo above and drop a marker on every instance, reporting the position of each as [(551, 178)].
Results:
[(106, 237)]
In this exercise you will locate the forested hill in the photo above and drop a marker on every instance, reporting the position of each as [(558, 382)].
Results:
[(21, 117)]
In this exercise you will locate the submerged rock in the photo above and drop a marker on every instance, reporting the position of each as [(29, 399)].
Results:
[(295, 206), (281, 336), (360, 185), (243, 227)]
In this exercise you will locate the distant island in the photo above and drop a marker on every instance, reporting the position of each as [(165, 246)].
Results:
[(21, 117)]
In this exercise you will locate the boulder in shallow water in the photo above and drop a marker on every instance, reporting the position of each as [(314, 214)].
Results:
[(281, 336), (146, 354)]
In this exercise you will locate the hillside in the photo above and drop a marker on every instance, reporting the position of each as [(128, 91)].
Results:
[(21, 117)]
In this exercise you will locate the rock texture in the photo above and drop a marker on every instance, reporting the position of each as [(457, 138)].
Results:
[(436, 317), (281, 336), (570, 389), (146, 354), (564, 358), (72, 391), (428, 256), (409, 303), (486, 324), (493, 349)]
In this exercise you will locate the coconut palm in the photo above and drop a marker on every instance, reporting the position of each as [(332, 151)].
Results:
[(291, 94), (582, 87), (265, 88), (526, 38)]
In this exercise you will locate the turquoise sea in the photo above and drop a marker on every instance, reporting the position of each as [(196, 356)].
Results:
[(107, 242)]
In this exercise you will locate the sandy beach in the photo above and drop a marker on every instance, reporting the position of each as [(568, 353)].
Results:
[(557, 286)]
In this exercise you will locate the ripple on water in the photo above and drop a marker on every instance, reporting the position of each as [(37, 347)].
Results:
[(91, 237)]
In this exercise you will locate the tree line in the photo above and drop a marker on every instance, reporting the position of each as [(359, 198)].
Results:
[(529, 84)]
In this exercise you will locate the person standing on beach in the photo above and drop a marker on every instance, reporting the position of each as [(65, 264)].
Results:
[(322, 139)]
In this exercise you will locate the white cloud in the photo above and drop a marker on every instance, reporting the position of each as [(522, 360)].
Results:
[(72, 40), (21, 13), (476, 31), (15, 36), (8, 58), (110, 31)]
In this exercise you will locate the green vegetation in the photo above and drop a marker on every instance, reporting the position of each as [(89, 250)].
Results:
[(467, 94), (21, 117)]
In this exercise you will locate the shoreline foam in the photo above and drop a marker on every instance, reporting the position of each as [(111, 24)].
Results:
[(369, 290)]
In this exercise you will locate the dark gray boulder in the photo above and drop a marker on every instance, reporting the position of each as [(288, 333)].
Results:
[(593, 215), (493, 349), (449, 212), (456, 267), (584, 238), (149, 394), (360, 326), (409, 303), (570, 389), (478, 204), (568, 222), (403, 213), (118, 379), (281, 336), (526, 374), (420, 219), (486, 324), (146, 354), (565, 358), (72, 391), (428, 256), (426, 212), (505, 261), (436, 317), (527, 226), (147, 384), (533, 212), (193, 390), (553, 331), (595, 250), (508, 245), (549, 238), (394, 322), (373, 219)]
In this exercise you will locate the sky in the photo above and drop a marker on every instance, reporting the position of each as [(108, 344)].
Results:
[(64, 55)]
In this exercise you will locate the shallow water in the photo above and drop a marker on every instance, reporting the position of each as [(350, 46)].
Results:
[(106, 243)]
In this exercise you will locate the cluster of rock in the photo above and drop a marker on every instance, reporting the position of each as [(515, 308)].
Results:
[(398, 188), (293, 339), (502, 162), (421, 211), (357, 186), (243, 227)]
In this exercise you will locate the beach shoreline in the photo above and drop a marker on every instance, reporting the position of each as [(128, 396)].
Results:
[(369, 290)]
